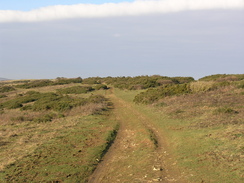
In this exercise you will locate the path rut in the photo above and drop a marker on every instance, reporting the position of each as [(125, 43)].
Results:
[(139, 152)]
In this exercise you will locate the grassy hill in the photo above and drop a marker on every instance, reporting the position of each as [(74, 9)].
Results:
[(59, 130)]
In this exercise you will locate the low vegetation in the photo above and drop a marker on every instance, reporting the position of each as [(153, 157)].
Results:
[(144, 82), (53, 136), (58, 130), (204, 120), (47, 82), (4, 89)]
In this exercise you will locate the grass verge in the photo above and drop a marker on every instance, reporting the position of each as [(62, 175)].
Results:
[(69, 157)]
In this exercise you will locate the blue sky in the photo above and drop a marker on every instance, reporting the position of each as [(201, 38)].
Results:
[(27, 5), (122, 39)]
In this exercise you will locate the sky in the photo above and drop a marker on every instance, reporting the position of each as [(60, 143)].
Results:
[(81, 38)]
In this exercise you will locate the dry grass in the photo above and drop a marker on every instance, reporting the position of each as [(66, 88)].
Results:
[(214, 119), (201, 86), (20, 131)]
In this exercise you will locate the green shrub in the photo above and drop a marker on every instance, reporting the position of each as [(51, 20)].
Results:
[(26, 107), (45, 118), (12, 104), (92, 80), (96, 99), (22, 99), (1, 110), (145, 82), (240, 84), (52, 101), (47, 82), (225, 110), (35, 84), (76, 90), (101, 86), (21, 118), (3, 96), (223, 77), (42, 101), (62, 80), (153, 95), (4, 89), (182, 80)]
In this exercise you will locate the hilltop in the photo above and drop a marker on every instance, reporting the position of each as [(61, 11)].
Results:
[(123, 129)]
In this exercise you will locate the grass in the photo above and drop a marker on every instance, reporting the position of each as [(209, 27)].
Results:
[(70, 156), (49, 145), (204, 130)]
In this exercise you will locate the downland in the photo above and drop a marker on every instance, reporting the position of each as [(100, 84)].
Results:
[(123, 129)]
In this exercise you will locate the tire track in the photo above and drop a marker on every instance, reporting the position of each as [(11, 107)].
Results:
[(139, 152)]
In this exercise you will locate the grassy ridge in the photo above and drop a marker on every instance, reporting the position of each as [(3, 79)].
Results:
[(57, 133)]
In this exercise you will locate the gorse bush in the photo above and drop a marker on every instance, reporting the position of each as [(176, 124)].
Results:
[(53, 101), (145, 82), (22, 99), (223, 77), (37, 101), (240, 84), (152, 95), (3, 96), (75, 90), (4, 89), (100, 86), (96, 99), (47, 82), (35, 84), (225, 110), (46, 118), (62, 80), (92, 80)]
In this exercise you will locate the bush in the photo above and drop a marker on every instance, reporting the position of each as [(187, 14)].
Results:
[(225, 110), (76, 90), (92, 80), (240, 84), (62, 80), (4, 89), (53, 101), (45, 118), (42, 101), (47, 82), (152, 95), (101, 86), (3, 96), (96, 99), (223, 77), (145, 82), (22, 99), (35, 84), (21, 118), (26, 107)]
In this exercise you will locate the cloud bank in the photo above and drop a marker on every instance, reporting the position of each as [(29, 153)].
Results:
[(139, 7)]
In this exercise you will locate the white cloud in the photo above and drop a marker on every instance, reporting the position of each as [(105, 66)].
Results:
[(138, 7)]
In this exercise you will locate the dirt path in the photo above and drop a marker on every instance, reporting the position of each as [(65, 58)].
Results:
[(139, 153)]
